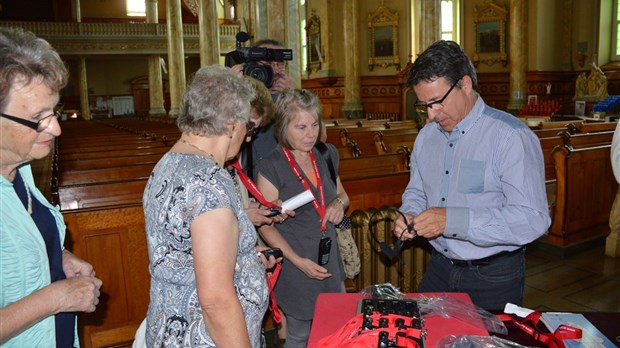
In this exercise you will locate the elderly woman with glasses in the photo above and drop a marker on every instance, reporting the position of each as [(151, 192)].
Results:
[(308, 240), (208, 285), (42, 284)]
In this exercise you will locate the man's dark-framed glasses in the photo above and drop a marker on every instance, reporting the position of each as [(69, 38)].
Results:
[(422, 108), (39, 126)]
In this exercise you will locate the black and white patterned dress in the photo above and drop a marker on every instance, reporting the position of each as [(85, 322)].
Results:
[(182, 187)]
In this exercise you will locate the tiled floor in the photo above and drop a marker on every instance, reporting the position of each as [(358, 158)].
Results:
[(584, 281)]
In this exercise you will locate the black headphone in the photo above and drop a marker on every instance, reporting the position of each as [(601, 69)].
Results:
[(388, 251)]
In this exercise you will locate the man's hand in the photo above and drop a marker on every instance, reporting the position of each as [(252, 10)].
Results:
[(430, 223), (281, 82), (400, 227), (237, 69)]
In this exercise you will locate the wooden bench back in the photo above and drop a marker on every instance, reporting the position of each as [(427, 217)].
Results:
[(589, 127), (586, 188), (104, 175), (368, 166), (113, 194)]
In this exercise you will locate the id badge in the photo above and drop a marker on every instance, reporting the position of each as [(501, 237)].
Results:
[(324, 247)]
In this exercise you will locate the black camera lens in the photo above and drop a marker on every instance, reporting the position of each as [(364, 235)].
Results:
[(262, 73)]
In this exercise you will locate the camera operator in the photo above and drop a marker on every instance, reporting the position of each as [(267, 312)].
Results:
[(264, 140)]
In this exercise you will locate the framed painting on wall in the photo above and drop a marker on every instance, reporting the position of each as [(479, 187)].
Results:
[(383, 38), (313, 36), (490, 23)]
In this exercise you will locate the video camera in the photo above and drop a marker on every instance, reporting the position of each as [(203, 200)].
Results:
[(252, 55)]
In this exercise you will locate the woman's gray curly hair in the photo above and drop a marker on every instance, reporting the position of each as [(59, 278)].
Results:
[(25, 58), (214, 99)]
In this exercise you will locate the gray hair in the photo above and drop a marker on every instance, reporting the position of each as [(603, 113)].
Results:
[(26, 57), (288, 104), (214, 99)]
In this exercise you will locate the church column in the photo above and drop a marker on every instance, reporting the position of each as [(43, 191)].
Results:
[(352, 107), (430, 25), (209, 35), (176, 53), (327, 43), (77, 11), (156, 94), (517, 55), (83, 84), (293, 41)]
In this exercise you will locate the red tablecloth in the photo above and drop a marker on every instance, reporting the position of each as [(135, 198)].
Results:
[(334, 310)]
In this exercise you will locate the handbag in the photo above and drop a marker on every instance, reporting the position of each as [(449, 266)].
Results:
[(348, 249), (346, 244)]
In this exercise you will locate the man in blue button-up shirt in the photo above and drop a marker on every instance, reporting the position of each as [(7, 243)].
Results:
[(477, 187)]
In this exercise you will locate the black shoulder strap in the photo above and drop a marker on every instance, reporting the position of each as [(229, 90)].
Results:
[(325, 153)]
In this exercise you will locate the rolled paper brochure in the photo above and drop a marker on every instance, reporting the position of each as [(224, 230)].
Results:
[(297, 201)]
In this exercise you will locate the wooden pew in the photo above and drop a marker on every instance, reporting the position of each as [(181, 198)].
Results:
[(368, 166), (113, 153), (586, 189), (390, 142), (589, 127), (105, 175), (101, 195), (94, 163), (548, 132), (571, 141)]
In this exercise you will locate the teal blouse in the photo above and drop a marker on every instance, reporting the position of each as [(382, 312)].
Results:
[(24, 265)]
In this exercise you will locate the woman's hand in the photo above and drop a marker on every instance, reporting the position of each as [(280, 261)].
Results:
[(270, 262), (77, 294), (334, 212), (258, 214), (312, 270), (73, 266)]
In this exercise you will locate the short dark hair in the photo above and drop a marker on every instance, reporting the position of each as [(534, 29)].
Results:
[(442, 59), (272, 42)]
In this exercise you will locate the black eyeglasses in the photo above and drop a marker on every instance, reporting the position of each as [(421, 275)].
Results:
[(251, 129), (422, 108), (39, 126)]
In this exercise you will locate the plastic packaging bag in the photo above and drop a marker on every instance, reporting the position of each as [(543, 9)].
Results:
[(444, 305), (452, 341)]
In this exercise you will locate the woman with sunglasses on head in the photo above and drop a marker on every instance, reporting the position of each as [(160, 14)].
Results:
[(261, 114), (42, 284)]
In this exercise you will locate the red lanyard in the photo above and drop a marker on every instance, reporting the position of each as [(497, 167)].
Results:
[(251, 186), (320, 209)]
